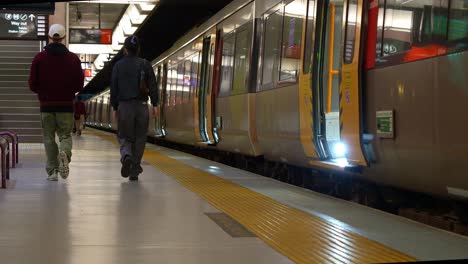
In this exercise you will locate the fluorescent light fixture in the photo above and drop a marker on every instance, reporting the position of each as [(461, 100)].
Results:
[(127, 26), (296, 8), (147, 7), (119, 1), (89, 48)]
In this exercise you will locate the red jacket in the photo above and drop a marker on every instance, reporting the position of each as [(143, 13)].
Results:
[(56, 76)]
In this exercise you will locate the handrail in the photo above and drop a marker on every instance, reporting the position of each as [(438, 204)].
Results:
[(14, 146), (4, 156), (331, 71)]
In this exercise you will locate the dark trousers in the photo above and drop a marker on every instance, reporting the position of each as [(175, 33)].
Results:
[(132, 127)]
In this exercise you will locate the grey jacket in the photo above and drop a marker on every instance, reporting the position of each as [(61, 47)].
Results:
[(125, 81)]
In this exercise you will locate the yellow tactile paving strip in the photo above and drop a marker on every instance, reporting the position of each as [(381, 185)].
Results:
[(302, 237)]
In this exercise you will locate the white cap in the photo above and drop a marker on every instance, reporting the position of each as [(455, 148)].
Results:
[(57, 29)]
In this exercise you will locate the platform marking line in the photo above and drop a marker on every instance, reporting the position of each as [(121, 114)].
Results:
[(302, 237)]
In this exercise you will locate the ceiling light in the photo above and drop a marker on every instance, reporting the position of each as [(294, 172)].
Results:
[(120, 1)]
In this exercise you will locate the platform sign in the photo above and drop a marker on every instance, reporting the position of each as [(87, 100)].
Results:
[(27, 26), (90, 36), (36, 8), (385, 124)]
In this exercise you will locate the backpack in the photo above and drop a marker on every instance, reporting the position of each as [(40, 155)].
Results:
[(143, 88)]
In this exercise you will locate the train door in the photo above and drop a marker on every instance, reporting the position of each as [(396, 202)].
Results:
[(95, 112), (217, 56), (338, 100), (101, 110), (163, 95), (205, 102), (108, 111), (161, 90)]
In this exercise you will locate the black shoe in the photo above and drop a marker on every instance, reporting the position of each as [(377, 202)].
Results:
[(137, 169), (133, 178), (126, 167)]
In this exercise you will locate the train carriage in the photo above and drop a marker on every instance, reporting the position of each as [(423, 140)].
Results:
[(368, 89)]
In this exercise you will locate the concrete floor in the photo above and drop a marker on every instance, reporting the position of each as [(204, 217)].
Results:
[(96, 216), (415, 239)]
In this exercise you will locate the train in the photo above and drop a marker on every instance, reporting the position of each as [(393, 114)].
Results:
[(368, 90)]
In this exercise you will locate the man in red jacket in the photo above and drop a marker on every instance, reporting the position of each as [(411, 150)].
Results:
[(56, 76)]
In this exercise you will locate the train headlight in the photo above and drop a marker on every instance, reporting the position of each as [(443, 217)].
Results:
[(339, 150)]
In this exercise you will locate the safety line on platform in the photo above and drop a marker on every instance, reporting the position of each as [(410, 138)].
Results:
[(302, 237)]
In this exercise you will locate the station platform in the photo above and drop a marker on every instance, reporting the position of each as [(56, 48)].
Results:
[(185, 209)]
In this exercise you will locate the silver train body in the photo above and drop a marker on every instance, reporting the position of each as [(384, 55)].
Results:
[(401, 124)]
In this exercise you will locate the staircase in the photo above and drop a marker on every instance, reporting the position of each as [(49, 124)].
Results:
[(19, 107)]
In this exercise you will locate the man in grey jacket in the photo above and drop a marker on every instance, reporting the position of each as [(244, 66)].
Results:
[(131, 107)]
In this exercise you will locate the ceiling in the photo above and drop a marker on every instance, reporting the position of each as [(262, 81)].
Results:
[(170, 20), (90, 15)]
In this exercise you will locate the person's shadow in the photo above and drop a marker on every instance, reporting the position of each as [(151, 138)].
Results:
[(53, 224), (134, 219)]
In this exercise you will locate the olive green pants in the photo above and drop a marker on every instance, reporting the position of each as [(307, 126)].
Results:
[(62, 125)]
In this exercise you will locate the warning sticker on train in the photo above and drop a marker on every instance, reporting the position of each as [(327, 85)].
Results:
[(385, 124)]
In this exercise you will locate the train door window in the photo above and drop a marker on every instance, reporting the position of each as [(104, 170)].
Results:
[(194, 79), (271, 50), (210, 67), (173, 88), (294, 14), (350, 31), (180, 82), (108, 111), (242, 59), (310, 37), (160, 83), (187, 77), (175, 84), (168, 86), (332, 62), (227, 64), (100, 110)]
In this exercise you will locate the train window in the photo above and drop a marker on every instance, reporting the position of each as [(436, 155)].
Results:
[(180, 82), (294, 14), (241, 17), (458, 23), (310, 37), (419, 29), (271, 50), (187, 77), (350, 31), (242, 59), (227, 63), (194, 79)]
